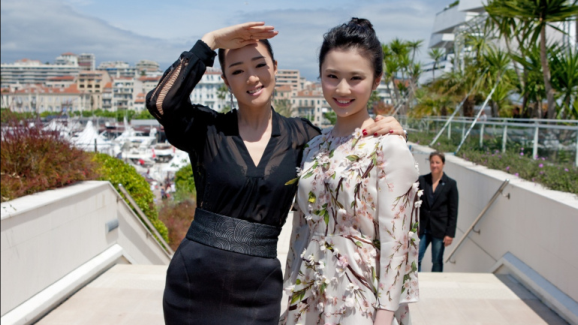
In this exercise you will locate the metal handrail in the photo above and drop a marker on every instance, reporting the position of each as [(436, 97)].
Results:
[(449, 120), (152, 228), (479, 112), (498, 192)]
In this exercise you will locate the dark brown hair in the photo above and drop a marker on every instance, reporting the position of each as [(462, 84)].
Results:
[(439, 154)]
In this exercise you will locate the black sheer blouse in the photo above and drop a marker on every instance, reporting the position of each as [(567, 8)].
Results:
[(226, 178)]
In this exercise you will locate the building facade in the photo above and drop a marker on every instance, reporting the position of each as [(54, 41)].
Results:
[(26, 71), (93, 82), (39, 99), (118, 69), (288, 77), (87, 62), (466, 16), (144, 67), (207, 91)]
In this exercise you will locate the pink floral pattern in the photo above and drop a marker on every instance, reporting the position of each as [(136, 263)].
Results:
[(354, 245)]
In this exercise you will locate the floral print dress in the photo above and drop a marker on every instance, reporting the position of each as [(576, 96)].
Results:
[(354, 245)]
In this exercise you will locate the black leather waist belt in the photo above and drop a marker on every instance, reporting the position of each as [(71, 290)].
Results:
[(235, 235)]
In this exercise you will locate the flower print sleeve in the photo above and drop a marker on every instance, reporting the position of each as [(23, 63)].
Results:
[(397, 192), (298, 243)]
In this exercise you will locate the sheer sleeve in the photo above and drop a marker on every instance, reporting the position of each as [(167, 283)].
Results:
[(169, 102), (310, 131), (397, 216)]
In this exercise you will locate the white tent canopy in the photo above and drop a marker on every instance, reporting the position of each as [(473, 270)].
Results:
[(86, 140)]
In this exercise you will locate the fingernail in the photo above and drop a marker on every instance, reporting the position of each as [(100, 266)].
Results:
[(375, 134), (390, 131), (364, 132)]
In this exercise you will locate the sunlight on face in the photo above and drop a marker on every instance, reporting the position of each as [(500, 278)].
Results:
[(347, 81), (250, 73)]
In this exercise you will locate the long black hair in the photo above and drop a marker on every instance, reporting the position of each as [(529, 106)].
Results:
[(357, 33)]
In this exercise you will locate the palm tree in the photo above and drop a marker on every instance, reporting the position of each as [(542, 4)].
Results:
[(222, 93), (541, 13), (414, 47), (436, 54), (565, 80)]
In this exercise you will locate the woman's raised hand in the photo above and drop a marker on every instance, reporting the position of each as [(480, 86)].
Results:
[(237, 36)]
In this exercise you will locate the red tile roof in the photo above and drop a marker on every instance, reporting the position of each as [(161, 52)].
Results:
[(283, 88), (61, 78), (144, 79), (40, 89)]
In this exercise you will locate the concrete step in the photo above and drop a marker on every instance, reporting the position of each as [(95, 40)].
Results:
[(132, 294)]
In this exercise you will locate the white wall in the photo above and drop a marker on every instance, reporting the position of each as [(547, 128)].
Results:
[(48, 235), (536, 225)]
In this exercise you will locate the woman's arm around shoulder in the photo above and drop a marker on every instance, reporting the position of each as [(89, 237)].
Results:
[(397, 192)]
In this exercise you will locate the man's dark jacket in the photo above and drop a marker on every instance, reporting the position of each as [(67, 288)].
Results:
[(441, 215)]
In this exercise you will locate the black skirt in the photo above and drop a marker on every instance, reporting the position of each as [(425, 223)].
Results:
[(207, 285)]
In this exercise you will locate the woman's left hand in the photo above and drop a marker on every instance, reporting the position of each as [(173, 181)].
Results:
[(384, 125)]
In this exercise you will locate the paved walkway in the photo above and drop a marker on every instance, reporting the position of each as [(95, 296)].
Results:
[(132, 295)]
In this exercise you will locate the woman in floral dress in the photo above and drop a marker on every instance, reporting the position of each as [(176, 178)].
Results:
[(354, 248)]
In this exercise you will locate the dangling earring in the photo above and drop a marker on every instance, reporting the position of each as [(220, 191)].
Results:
[(231, 98)]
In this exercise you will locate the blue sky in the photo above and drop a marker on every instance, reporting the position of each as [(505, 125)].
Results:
[(129, 30)]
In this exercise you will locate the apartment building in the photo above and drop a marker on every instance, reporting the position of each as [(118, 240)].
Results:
[(148, 83), (456, 20), (139, 102), (310, 103), (40, 98), (27, 71), (147, 66), (207, 91), (123, 93), (87, 61), (107, 95), (67, 58), (93, 82), (288, 77), (118, 69), (60, 81)]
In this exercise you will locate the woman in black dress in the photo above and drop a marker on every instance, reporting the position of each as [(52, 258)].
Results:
[(225, 271)]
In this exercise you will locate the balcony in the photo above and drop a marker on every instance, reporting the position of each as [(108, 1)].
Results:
[(472, 5), (447, 20), (441, 40)]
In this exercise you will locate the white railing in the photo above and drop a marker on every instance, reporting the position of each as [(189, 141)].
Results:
[(546, 137)]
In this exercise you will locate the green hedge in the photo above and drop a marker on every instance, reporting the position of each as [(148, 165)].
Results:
[(557, 175), (185, 184), (118, 172)]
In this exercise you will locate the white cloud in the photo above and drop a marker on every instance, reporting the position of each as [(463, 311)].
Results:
[(42, 29), (301, 31)]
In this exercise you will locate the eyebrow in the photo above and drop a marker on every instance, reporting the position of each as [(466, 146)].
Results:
[(355, 72), (253, 59)]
